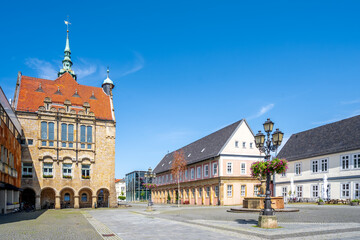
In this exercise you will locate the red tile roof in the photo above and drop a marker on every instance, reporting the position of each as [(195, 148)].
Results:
[(118, 180), (30, 100)]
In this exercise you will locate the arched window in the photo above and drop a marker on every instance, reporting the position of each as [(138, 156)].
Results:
[(67, 197), (84, 197)]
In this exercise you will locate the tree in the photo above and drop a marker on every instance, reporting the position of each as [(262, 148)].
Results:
[(178, 167)]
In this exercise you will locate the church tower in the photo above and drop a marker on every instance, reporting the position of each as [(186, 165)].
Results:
[(67, 63)]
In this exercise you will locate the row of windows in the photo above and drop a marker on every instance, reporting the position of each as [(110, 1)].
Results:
[(347, 162), (229, 191), (229, 168), (67, 135), (168, 178), (316, 189), (27, 170), (200, 192), (243, 144)]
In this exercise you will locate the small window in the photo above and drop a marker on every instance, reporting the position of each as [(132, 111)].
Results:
[(243, 190), (315, 191), (27, 170), (299, 190), (314, 166), (345, 190), (207, 191), (356, 161), (244, 144), (298, 169), (229, 168), (85, 171), (243, 168), (251, 145), (206, 170), (345, 162), (30, 142), (214, 169), (198, 172), (324, 165), (192, 173), (229, 190), (186, 174), (67, 170), (236, 144), (47, 170), (284, 192)]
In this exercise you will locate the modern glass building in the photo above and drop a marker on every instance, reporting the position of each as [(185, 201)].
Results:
[(135, 191)]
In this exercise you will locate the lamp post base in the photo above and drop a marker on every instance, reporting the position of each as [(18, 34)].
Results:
[(267, 221)]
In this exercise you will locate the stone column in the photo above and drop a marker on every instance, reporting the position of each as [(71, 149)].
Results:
[(76, 202), (183, 195), (211, 195), (37, 202), (57, 202), (203, 195), (93, 201)]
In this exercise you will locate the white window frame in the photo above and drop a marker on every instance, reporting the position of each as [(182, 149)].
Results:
[(66, 168), (206, 170), (27, 173), (356, 158), (357, 190), (229, 189), (315, 163), (243, 168), (314, 189), (215, 168), (198, 172), (186, 174), (86, 170), (342, 190), (229, 167), (299, 191), (345, 158), (298, 169), (243, 190), (46, 169), (192, 173), (326, 160), (256, 190), (284, 193)]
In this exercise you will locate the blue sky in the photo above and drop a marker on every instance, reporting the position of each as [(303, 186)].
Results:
[(187, 68)]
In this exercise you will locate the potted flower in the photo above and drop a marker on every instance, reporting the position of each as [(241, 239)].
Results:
[(321, 202), (67, 176), (47, 176), (85, 177), (354, 202)]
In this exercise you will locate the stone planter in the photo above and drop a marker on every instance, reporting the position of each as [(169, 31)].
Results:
[(321, 203), (354, 203)]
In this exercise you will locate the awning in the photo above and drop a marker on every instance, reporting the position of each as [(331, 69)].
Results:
[(8, 186)]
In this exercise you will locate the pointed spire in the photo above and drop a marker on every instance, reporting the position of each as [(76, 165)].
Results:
[(67, 63)]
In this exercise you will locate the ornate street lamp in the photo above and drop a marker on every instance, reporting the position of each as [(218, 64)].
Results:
[(149, 175), (268, 146)]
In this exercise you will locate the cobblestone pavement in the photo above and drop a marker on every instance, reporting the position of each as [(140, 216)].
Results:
[(46, 225), (315, 222)]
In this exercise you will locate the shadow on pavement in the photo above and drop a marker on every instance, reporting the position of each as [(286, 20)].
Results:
[(243, 221), (20, 216)]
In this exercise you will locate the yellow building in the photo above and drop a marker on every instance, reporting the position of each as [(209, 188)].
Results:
[(217, 170), (68, 150)]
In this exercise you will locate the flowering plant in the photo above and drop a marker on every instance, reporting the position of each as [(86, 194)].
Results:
[(47, 176), (261, 168), (85, 177), (149, 185), (67, 176)]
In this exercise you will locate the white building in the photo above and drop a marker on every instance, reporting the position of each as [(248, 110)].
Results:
[(120, 187), (332, 150)]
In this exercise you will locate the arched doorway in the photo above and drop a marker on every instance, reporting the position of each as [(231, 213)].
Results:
[(47, 198), (28, 197), (67, 198), (103, 197), (85, 196)]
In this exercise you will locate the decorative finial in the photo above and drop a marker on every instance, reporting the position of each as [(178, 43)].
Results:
[(108, 71)]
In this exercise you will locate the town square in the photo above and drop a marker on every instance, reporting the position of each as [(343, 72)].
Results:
[(180, 120)]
